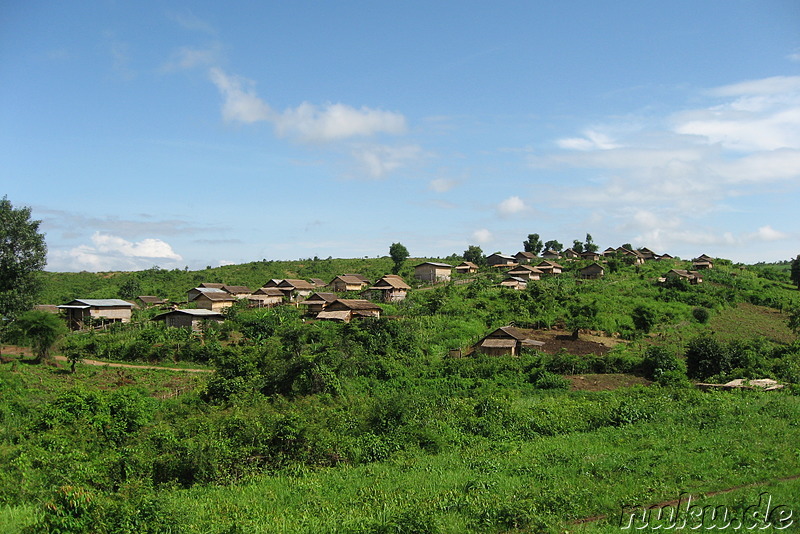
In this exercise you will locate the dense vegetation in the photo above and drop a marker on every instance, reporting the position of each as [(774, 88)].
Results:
[(371, 427)]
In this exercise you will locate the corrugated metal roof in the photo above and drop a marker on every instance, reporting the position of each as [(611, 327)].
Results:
[(100, 303)]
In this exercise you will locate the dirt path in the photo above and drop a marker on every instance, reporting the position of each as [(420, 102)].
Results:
[(22, 351), (134, 366)]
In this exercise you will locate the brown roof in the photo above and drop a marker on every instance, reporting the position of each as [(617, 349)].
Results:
[(343, 315), (391, 281), (217, 297), (548, 263), (296, 284), (319, 282), (354, 304), (271, 291), (350, 279), (320, 297), (237, 289), (211, 286), (360, 277), (150, 299)]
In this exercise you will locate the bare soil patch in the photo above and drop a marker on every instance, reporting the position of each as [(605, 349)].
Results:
[(604, 382), (558, 340)]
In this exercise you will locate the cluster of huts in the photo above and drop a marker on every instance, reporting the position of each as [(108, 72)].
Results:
[(323, 300)]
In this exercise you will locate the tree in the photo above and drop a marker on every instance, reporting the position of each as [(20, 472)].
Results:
[(399, 254), (589, 245), (581, 315), (40, 330), (577, 246), (795, 272), (475, 255), (23, 255), (533, 244), (553, 244), (644, 318)]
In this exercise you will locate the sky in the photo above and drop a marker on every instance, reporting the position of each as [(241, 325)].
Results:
[(193, 134)]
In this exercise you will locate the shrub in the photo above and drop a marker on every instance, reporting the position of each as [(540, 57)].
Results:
[(701, 314)]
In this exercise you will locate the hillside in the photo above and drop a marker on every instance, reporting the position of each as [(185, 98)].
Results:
[(374, 426)]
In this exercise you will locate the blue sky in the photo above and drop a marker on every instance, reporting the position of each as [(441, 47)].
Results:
[(196, 133)]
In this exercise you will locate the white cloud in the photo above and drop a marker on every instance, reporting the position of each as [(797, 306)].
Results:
[(240, 103), (511, 205), (306, 122), (442, 185), (689, 178), (377, 161), (334, 122), (110, 253), (591, 140), (482, 236)]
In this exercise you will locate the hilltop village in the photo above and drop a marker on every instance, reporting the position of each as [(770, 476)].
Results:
[(350, 296)]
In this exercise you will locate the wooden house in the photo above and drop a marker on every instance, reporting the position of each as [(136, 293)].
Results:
[(240, 292), (148, 301), (507, 341), (703, 262), (571, 254), (430, 271), (347, 282), (590, 256), (265, 297), (295, 289), (551, 254), (466, 267), (549, 267), (347, 309), (500, 260), (593, 271), (647, 254), (318, 282), (81, 311), (274, 282), (214, 300), (610, 251), (318, 301), (693, 277), (524, 257), (526, 272), (391, 288), (192, 319), (513, 282)]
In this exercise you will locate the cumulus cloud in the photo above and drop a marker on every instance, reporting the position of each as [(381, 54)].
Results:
[(511, 205), (482, 236), (108, 252), (240, 102), (334, 122), (665, 179), (307, 122)]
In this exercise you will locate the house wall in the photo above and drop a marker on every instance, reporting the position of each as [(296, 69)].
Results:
[(112, 314), (431, 273)]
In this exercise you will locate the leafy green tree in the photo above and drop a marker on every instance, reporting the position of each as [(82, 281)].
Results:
[(589, 245), (399, 254), (130, 289), (581, 315), (644, 318), (553, 244), (533, 244), (475, 255), (577, 246), (794, 319), (706, 357), (23, 255), (794, 275), (40, 330)]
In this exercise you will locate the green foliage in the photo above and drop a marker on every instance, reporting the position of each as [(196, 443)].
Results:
[(701, 314), (644, 317), (40, 330), (475, 255), (553, 245), (533, 244), (399, 254), (23, 255), (794, 273)]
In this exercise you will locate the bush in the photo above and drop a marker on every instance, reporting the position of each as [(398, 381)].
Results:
[(701, 314)]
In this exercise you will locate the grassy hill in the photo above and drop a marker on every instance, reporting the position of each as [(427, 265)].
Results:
[(371, 426)]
